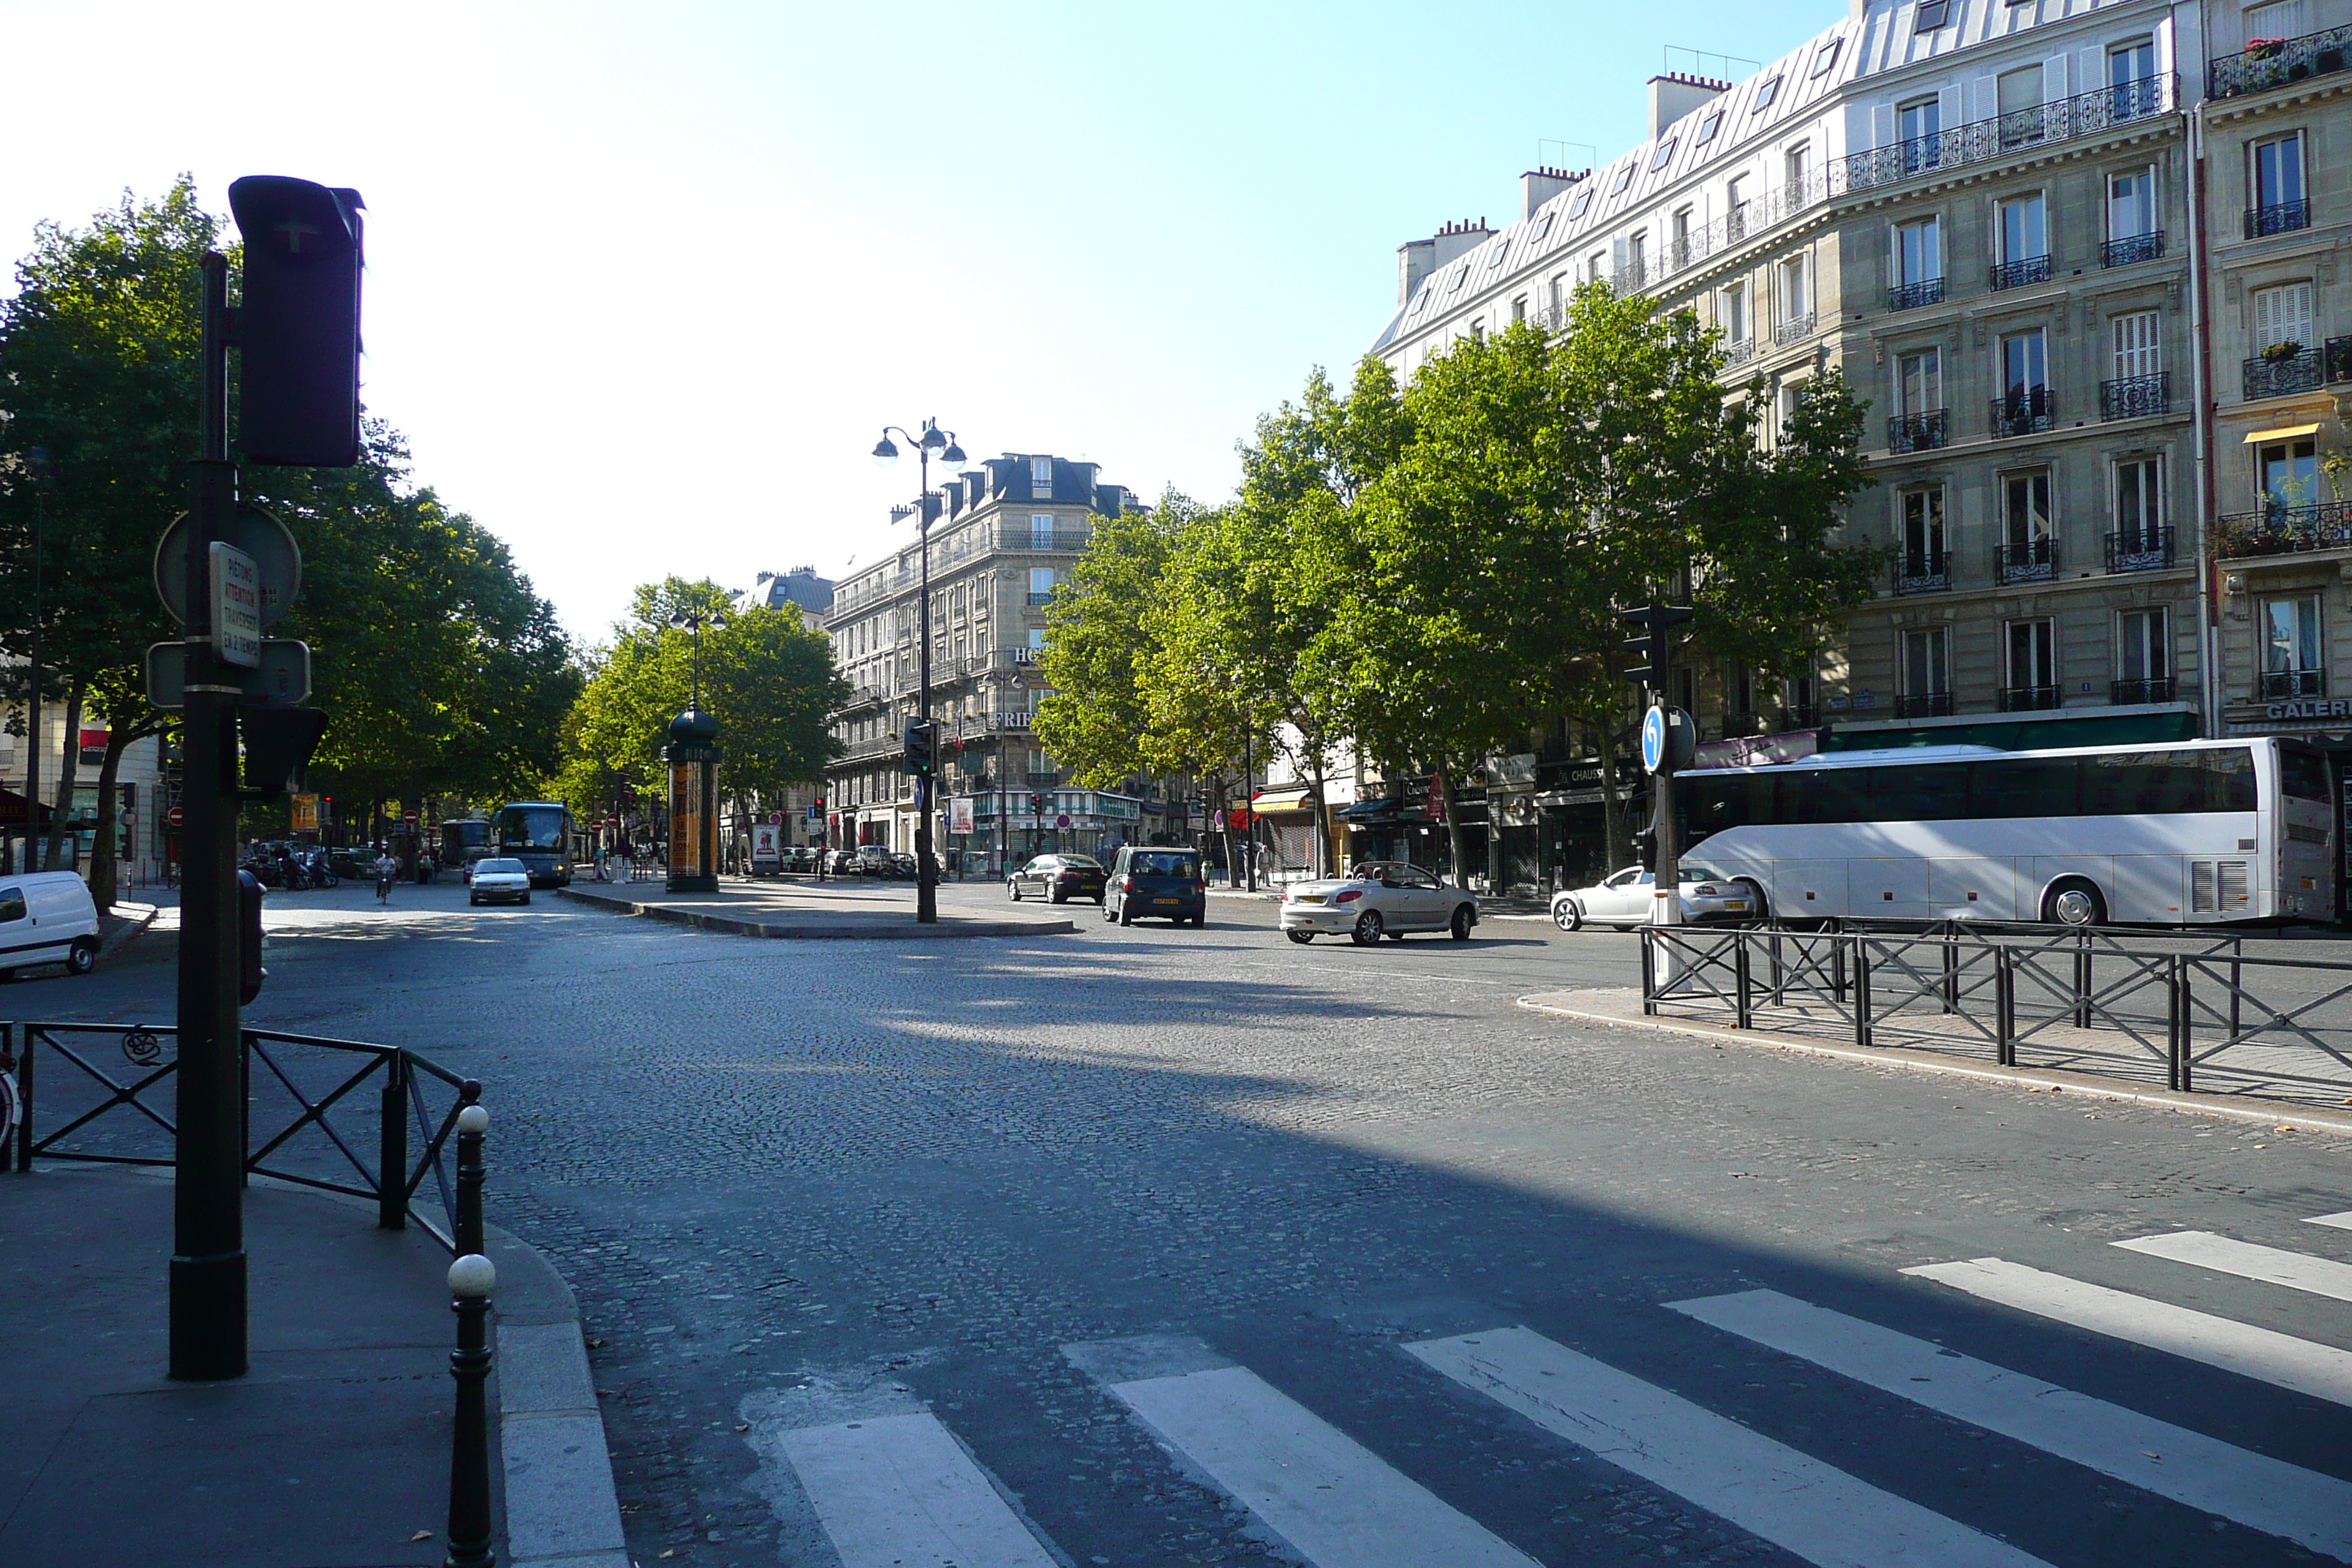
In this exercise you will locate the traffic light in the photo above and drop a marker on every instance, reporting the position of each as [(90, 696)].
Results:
[(818, 805), (250, 974), (299, 322), (1655, 645), (920, 736), (278, 745), (1036, 805)]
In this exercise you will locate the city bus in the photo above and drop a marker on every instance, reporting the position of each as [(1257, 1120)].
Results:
[(2192, 833), (464, 840), (539, 833)]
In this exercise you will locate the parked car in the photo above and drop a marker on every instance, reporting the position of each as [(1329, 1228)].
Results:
[(1627, 899), (1377, 899), (841, 862), (46, 917), (498, 879), (1058, 879), (1156, 884)]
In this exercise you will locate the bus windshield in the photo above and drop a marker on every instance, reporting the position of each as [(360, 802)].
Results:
[(530, 827)]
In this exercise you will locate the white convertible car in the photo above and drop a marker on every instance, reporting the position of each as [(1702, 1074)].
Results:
[(1627, 899), (1377, 899)]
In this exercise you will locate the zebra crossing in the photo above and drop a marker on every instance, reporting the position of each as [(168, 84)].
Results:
[(901, 1489)]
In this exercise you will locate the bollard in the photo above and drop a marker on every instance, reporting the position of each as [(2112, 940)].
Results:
[(2083, 982), (392, 1145), (1951, 975), (2004, 1008), (1860, 992), (471, 1280), (472, 1123), (1743, 1012)]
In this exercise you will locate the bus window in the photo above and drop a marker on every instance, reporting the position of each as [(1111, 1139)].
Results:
[(1815, 795), (2303, 775), (1926, 791), (2024, 786)]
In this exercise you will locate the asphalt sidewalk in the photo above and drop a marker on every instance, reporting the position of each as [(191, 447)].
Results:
[(333, 1450), (851, 909)]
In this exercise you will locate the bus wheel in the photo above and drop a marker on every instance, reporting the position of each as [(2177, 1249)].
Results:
[(2073, 902)]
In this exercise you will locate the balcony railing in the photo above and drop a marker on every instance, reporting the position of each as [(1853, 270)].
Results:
[(1918, 432), (1795, 329), (2025, 560), (2082, 115), (1738, 353), (1748, 219), (1911, 296), (2140, 549), (2017, 274), (2278, 683), (2337, 354), (1930, 573), (2145, 689), (2029, 698), (1923, 705), (1635, 276), (2279, 530), (2136, 396), (1036, 601), (2279, 218), (2130, 248), (2274, 62), (2022, 412), (2286, 374)]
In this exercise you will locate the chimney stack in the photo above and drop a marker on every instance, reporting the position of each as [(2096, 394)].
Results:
[(1417, 258), (1674, 95), (1537, 186)]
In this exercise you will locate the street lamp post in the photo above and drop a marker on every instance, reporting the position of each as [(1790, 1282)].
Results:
[(44, 481), (943, 443)]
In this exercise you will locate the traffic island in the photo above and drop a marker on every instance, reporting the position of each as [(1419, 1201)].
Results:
[(842, 913)]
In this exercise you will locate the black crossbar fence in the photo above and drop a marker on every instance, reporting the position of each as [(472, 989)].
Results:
[(294, 1083), (2107, 1001)]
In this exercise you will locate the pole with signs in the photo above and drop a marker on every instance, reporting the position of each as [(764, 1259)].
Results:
[(1668, 740)]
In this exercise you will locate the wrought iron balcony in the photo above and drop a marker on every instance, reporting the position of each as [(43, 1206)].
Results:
[(2283, 375), (1918, 432), (1923, 705), (2147, 688), (2140, 549), (2278, 683), (2279, 218), (1923, 573), (2029, 698), (2337, 355), (2274, 62), (1911, 296), (2280, 529), (2022, 412), (2017, 274), (2130, 248), (1738, 353), (2082, 115), (2136, 396), (1796, 329), (2025, 561), (1037, 601)]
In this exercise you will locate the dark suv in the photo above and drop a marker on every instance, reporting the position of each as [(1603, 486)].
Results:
[(1156, 884), (1058, 878)]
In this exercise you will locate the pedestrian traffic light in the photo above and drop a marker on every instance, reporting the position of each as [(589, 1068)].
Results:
[(1655, 645), (920, 746), (299, 322), (250, 974)]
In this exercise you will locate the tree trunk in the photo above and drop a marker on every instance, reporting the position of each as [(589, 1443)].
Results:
[(1322, 816), (67, 769), (1455, 848), (103, 862)]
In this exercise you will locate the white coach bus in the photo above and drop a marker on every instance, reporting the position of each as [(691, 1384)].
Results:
[(2192, 833)]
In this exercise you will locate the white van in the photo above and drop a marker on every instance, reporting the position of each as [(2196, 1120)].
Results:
[(46, 917)]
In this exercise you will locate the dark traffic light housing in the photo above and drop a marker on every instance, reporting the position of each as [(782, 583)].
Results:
[(298, 321), (920, 750), (278, 745), (1655, 645), (249, 972)]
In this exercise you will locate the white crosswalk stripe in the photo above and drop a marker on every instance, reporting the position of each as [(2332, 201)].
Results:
[(2340, 1221), (1338, 1504), (899, 1491), (2283, 1360), (2219, 1478), (2271, 1265), (1813, 1510)]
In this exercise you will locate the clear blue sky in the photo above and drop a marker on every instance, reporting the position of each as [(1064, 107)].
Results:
[(646, 279)]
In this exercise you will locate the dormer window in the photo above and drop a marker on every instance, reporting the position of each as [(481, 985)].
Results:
[(1459, 274), (1577, 208), (1827, 58), (1624, 178), (1041, 473), (1708, 127), (1497, 260), (1543, 227), (1764, 93), (1665, 152)]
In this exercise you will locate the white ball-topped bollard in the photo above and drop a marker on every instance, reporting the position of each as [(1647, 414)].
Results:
[(473, 1276), (474, 1119)]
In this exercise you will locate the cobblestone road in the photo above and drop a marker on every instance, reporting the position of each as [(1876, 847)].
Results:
[(1146, 1245)]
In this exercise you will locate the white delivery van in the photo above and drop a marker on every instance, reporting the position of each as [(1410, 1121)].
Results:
[(46, 917)]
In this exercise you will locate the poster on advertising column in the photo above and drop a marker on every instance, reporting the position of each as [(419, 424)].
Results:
[(686, 822), (960, 813)]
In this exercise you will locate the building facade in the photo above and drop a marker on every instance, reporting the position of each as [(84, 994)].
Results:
[(2081, 261), (1001, 538)]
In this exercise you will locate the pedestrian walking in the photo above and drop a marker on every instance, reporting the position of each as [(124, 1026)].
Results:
[(387, 870)]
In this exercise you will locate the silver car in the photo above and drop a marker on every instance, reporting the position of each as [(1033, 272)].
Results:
[(1377, 899), (1629, 899)]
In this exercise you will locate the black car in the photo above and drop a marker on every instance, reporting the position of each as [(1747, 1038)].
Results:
[(1156, 884), (1058, 879)]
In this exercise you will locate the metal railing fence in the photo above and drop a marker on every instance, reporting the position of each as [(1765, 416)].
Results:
[(298, 1087), (2188, 1007)]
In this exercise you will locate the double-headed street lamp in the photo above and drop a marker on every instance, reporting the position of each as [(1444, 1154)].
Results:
[(923, 757)]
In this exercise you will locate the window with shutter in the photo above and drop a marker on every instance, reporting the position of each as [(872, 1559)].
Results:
[(2135, 345), (2282, 315), (2280, 19)]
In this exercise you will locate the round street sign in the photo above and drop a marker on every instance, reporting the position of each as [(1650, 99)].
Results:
[(254, 530), (173, 816), (1063, 820), (407, 816), (1653, 740)]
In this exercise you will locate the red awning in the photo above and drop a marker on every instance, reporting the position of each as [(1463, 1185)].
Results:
[(12, 813)]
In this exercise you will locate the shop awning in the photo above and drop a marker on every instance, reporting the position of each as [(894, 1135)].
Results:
[(2283, 433), (1380, 809), (12, 813), (1270, 800)]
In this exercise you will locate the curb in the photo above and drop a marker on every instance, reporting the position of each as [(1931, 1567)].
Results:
[(2226, 1107), (734, 926), (561, 1507), (132, 928)]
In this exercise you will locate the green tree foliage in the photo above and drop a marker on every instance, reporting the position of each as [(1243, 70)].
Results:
[(767, 676), (1100, 645)]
